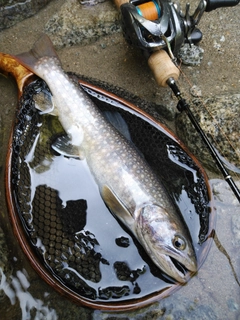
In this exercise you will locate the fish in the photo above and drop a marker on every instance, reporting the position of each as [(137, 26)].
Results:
[(128, 186)]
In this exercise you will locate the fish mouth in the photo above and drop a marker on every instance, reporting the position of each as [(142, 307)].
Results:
[(177, 270), (180, 269)]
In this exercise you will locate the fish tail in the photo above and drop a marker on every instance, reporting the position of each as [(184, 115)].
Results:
[(43, 47)]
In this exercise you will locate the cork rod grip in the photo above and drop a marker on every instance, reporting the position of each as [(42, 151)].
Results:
[(118, 3), (162, 67)]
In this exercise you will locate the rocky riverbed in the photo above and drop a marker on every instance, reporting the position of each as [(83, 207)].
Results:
[(89, 42)]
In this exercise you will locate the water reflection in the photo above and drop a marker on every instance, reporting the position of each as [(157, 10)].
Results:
[(16, 289)]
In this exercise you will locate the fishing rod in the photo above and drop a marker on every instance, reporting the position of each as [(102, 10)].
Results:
[(159, 28)]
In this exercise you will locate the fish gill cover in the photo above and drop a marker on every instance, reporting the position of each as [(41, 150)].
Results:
[(66, 222)]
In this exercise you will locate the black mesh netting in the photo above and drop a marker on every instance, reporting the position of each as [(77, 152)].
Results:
[(65, 234)]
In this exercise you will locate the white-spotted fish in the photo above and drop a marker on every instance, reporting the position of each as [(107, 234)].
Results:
[(126, 182)]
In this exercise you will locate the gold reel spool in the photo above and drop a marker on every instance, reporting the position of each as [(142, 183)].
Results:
[(149, 10)]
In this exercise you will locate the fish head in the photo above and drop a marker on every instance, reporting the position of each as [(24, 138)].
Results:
[(167, 241)]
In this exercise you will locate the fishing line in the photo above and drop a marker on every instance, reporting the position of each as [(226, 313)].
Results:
[(140, 31), (215, 154), (184, 106), (215, 123), (152, 38)]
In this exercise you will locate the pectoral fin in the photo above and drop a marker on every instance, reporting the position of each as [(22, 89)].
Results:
[(63, 145), (116, 119), (116, 206), (44, 103)]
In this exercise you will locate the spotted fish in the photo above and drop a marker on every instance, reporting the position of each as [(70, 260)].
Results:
[(127, 184)]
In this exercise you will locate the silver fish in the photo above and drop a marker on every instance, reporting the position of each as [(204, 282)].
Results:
[(126, 182)]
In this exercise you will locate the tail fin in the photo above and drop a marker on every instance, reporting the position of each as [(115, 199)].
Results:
[(43, 47)]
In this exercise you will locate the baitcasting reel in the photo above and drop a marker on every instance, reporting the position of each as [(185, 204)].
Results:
[(159, 28), (160, 24)]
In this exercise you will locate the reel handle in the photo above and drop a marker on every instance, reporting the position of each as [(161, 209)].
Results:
[(214, 4)]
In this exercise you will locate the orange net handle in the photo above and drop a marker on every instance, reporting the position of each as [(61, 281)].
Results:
[(118, 3)]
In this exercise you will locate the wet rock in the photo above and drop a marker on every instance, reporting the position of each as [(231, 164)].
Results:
[(196, 91), (219, 118), (169, 309), (13, 11), (1, 143), (185, 309), (236, 228), (81, 24), (224, 194), (5, 269), (232, 305), (191, 55), (91, 2)]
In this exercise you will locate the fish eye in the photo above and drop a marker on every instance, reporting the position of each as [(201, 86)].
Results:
[(179, 243)]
